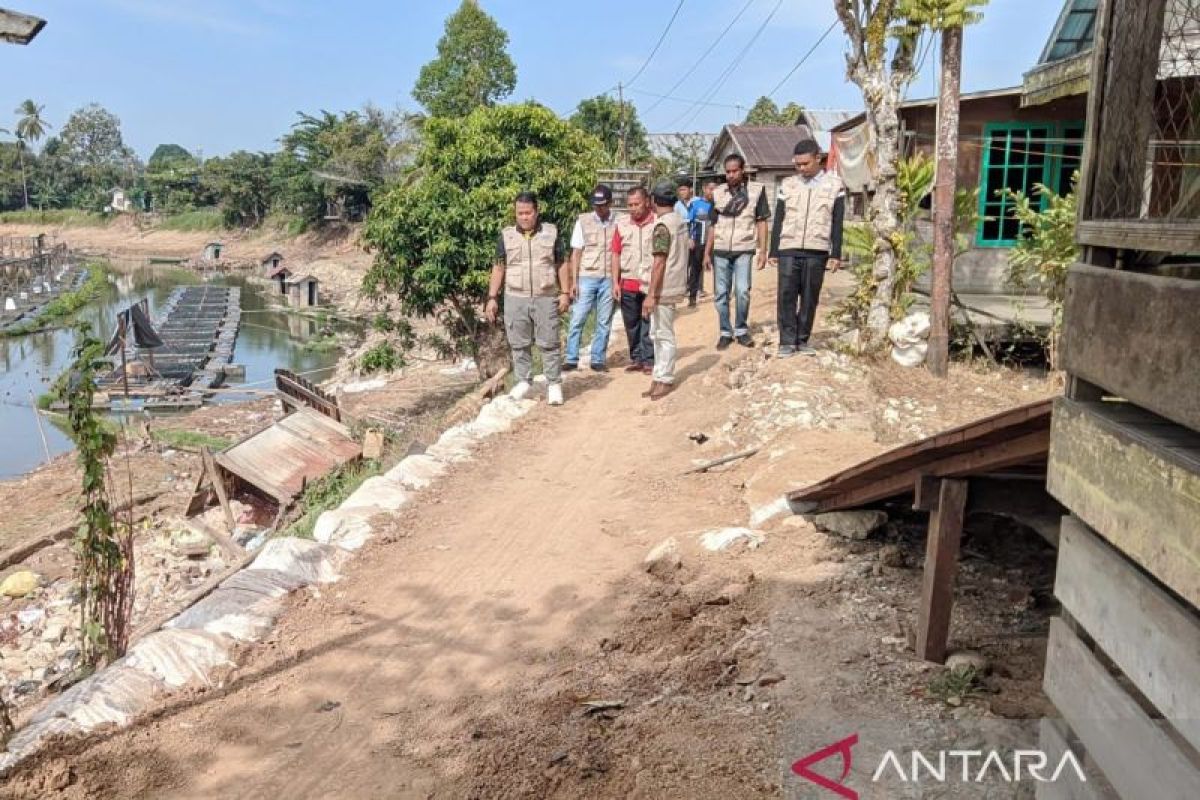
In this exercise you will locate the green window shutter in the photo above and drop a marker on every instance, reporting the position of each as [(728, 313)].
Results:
[(1016, 156)]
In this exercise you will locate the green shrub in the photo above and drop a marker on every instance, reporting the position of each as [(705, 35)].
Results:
[(329, 492), (383, 357), (200, 219)]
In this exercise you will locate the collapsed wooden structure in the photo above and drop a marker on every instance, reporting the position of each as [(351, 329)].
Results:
[(995, 466)]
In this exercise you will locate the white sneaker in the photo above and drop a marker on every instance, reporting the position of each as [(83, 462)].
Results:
[(520, 390), (554, 394)]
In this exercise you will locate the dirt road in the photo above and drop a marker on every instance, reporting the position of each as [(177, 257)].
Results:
[(454, 658)]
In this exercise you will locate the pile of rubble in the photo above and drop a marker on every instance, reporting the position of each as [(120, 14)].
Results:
[(40, 614)]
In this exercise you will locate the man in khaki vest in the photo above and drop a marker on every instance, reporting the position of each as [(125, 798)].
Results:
[(736, 238), (668, 286), (529, 267), (806, 239), (631, 276), (591, 285)]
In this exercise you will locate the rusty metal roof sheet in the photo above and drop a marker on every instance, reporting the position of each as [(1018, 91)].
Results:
[(301, 447)]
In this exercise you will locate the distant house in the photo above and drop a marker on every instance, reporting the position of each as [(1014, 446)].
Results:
[(302, 291), (212, 251), (120, 202), (820, 122), (280, 275), (271, 262), (768, 150)]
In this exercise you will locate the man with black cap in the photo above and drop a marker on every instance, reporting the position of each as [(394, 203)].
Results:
[(591, 279), (668, 286), (806, 239)]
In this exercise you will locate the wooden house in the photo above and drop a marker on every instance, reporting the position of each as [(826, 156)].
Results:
[(302, 291), (1123, 660), (271, 262)]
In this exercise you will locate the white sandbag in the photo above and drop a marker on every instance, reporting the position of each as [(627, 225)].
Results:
[(417, 472), (454, 445), (268, 582), (909, 339), (725, 538), (112, 696), (513, 409), (378, 492), (180, 657), (759, 515), (27, 740), (302, 559), (347, 528), (490, 422), (243, 615)]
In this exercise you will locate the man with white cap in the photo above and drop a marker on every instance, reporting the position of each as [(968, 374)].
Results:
[(591, 285)]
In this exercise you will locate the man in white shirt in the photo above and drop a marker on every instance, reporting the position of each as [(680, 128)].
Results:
[(591, 279)]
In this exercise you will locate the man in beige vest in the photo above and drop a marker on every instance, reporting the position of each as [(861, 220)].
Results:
[(591, 285), (806, 239), (529, 267), (631, 276), (668, 286), (737, 239)]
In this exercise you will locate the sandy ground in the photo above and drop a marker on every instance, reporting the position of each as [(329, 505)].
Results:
[(333, 255), (457, 655)]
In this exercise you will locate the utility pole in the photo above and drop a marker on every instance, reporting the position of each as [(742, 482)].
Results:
[(624, 138)]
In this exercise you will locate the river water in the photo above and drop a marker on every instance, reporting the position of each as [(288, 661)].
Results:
[(268, 338)]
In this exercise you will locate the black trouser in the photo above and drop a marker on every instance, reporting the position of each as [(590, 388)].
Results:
[(637, 330), (695, 274), (800, 279)]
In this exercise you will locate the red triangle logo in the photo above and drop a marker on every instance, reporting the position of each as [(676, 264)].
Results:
[(802, 767)]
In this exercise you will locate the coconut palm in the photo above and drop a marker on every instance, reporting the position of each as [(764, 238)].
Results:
[(30, 128)]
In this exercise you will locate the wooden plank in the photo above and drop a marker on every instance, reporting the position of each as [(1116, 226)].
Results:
[(941, 565), (16, 28), (1136, 336), (1138, 757), (1022, 450), (1126, 84), (1054, 744), (1141, 497), (214, 475), (1156, 236), (1146, 632)]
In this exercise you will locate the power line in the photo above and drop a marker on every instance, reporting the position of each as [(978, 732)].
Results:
[(680, 100), (692, 114), (657, 45), (806, 56), (700, 60)]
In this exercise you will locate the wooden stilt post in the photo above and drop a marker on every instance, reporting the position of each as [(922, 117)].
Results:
[(941, 566)]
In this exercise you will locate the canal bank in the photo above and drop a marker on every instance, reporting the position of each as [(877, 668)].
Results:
[(269, 337)]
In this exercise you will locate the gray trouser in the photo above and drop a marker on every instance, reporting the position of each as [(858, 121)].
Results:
[(528, 319)]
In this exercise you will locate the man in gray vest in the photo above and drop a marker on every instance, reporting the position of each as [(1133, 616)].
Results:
[(806, 239), (668, 286), (529, 267), (591, 284), (736, 239)]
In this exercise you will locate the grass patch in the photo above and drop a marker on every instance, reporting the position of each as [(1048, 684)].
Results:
[(955, 685), (328, 493), (65, 305), (56, 216), (190, 440), (200, 219), (321, 344)]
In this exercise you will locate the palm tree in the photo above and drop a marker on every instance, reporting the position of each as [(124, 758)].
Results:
[(30, 128)]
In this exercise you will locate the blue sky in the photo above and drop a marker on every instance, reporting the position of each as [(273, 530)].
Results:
[(221, 75)]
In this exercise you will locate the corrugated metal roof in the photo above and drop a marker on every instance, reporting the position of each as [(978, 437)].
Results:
[(301, 447), (766, 146)]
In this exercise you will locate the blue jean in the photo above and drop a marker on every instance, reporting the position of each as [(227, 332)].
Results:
[(593, 293), (736, 271)]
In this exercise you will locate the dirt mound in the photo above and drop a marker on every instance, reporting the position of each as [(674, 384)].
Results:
[(643, 712)]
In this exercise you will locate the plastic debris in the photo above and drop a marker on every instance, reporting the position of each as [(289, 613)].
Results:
[(726, 538)]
